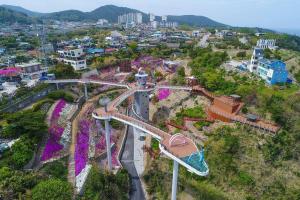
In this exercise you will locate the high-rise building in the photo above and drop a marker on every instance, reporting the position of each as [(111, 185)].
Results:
[(152, 17), (165, 24), (154, 24), (164, 18), (129, 18)]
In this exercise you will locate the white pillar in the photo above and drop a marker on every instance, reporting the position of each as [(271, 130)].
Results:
[(108, 146), (57, 86), (85, 92), (174, 181)]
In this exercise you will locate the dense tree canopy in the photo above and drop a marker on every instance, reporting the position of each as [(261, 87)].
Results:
[(63, 71), (24, 123), (52, 189), (106, 186), (15, 183)]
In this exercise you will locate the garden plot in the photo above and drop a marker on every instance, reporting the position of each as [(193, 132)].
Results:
[(59, 131)]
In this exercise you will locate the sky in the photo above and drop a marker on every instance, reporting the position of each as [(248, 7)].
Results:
[(274, 14)]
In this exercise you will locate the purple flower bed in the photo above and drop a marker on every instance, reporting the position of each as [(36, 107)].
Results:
[(51, 149), (57, 110), (56, 132), (53, 146), (82, 147), (163, 94)]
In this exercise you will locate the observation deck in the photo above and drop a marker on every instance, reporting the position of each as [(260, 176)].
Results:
[(178, 147)]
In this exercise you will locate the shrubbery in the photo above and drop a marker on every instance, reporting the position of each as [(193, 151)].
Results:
[(106, 186), (63, 71), (22, 152), (52, 189), (61, 94)]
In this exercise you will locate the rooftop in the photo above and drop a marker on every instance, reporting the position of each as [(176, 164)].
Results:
[(228, 100)]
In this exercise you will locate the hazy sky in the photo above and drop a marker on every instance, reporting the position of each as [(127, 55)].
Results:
[(261, 13)]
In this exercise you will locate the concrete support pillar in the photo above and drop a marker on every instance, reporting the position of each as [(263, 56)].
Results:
[(174, 181), (57, 86), (108, 145), (85, 92)]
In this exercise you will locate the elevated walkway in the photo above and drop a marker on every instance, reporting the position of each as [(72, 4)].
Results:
[(263, 125), (177, 147), (87, 81), (202, 90)]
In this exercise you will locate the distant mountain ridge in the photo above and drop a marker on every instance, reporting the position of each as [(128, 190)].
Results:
[(8, 16), (110, 13), (23, 10)]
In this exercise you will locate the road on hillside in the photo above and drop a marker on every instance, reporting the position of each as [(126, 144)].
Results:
[(203, 42), (127, 160)]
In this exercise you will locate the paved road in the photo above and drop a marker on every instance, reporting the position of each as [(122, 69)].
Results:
[(127, 161), (203, 42)]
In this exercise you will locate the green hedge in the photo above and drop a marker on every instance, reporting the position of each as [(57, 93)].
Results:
[(60, 94)]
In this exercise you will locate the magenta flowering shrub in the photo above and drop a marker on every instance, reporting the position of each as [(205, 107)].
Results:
[(101, 145), (82, 146), (51, 149), (163, 94), (57, 110), (53, 146), (56, 132), (114, 158)]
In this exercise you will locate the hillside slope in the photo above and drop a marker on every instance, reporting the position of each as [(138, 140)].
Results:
[(194, 20), (67, 15), (23, 10), (111, 13), (8, 16)]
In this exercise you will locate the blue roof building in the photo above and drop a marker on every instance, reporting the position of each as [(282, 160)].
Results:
[(2, 50), (272, 71), (95, 51)]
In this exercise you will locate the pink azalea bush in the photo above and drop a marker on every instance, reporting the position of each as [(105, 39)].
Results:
[(82, 146), (101, 145), (51, 149), (57, 110), (114, 158), (53, 146), (163, 94)]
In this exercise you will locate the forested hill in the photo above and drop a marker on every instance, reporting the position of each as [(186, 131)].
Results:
[(22, 10), (8, 16), (194, 20), (111, 13)]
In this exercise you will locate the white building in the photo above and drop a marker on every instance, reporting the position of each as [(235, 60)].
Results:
[(257, 55), (164, 24), (73, 57), (71, 53), (154, 24), (102, 22), (31, 70), (266, 44), (152, 17), (136, 18), (76, 64), (164, 18), (196, 33)]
